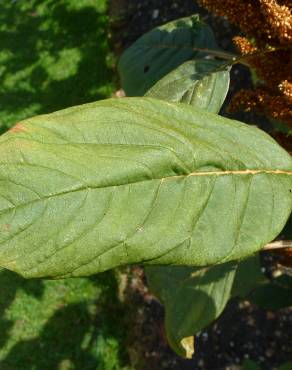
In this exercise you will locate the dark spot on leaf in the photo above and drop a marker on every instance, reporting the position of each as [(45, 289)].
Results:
[(146, 69)]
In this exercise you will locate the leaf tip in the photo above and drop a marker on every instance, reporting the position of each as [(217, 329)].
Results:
[(188, 344)]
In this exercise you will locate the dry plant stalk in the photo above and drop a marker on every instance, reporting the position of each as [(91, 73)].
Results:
[(267, 46)]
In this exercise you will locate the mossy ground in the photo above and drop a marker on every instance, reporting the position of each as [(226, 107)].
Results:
[(54, 55), (63, 325)]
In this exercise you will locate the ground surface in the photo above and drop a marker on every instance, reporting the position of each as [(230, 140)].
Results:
[(52, 55)]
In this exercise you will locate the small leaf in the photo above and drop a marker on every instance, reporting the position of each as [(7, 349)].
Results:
[(137, 180), (193, 298), (201, 83), (161, 50)]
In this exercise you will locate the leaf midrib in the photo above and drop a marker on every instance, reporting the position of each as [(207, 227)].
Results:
[(214, 52), (162, 179)]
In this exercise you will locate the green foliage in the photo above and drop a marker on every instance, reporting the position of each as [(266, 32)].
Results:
[(273, 294), (287, 231), (168, 191), (248, 276), (142, 180), (286, 366), (161, 50), (193, 298), (201, 83), (250, 365), (54, 54)]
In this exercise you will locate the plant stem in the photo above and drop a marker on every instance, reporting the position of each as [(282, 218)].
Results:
[(280, 244)]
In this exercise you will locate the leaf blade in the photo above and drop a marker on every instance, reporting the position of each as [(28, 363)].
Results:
[(90, 188)]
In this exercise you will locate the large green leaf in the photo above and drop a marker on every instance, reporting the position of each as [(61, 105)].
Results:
[(193, 298), (137, 180), (201, 83), (161, 50)]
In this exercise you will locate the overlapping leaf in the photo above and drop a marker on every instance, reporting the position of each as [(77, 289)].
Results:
[(201, 83), (274, 294), (137, 180), (161, 50), (248, 276)]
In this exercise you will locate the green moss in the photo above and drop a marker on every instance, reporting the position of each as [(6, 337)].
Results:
[(54, 54), (67, 324)]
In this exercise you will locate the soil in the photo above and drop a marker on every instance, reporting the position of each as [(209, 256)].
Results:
[(243, 331)]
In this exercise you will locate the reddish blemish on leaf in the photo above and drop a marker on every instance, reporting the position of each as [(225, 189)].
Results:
[(18, 128), (6, 227)]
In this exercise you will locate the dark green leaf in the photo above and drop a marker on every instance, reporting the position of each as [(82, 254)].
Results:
[(287, 231), (248, 276), (250, 365), (161, 50), (274, 294), (193, 298), (286, 366), (200, 83), (137, 180)]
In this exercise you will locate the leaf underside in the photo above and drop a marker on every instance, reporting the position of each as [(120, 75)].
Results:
[(137, 180)]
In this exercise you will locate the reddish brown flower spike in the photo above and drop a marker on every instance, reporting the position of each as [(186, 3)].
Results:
[(269, 24)]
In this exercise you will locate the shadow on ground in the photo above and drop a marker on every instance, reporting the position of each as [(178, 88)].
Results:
[(53, 55), (77, 336), (9, 284)]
